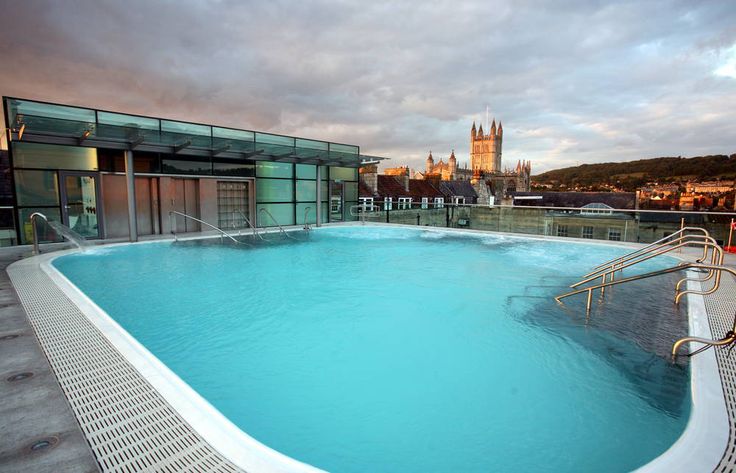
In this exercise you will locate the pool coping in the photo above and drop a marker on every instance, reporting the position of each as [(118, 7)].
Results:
[(707, 430)]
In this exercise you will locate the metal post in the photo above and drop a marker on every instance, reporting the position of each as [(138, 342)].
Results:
[(590, 301), (34, 224), (318, 212), (130, 179), (603, 289)]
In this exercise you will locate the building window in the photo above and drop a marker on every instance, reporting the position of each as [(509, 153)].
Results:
[(439, 202), (425, 202), (404, 203), (458, 200), (588, 232), (614, 234), (388, 203), (561, 230)]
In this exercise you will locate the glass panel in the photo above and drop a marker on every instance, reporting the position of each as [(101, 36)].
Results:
[(324, 173), (36, 187), (340, 148), (232, 134), (306, 171), (272, 169), (81, 205), (344, 174), (308, 210), (283, 213), (6, 187), (45, 233), (325, 215), (348, 217), (351, 191), (25, 107), (34, 155), (275, 190), (336, 201), (7, 227), (233, 169), (144, 161), (306, 191), (312, 144), (173, 166), (267, 138), (127, 121), (325, 190), (185, 128)]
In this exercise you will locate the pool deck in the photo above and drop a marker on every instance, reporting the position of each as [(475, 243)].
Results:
[(48, 409), (34, 411)]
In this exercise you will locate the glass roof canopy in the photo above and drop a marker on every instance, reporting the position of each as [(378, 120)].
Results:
[(42, 122)]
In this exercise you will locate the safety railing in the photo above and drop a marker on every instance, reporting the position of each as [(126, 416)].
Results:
[(281, 229), (717, 260), (250, 224), (172, 222), (730, 336), (658, 250), (654, 245), (364, 211)]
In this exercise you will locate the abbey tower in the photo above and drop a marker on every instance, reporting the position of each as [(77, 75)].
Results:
[(485, 150)]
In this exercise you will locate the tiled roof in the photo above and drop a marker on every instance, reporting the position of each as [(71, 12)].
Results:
[(419, 188), (617, 200), (390, 186), (463, 188)]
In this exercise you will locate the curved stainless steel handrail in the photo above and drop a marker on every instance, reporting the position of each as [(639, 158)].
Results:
[(306, 212), (250, 224), (281, 229), (173, 227), (698, 240), (633, 254), (612, 282), (32, 218)]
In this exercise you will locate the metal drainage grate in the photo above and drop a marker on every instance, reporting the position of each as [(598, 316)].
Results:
[(127, 423), (721, 309)]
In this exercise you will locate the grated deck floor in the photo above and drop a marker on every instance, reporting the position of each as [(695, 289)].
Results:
[(127, 423)]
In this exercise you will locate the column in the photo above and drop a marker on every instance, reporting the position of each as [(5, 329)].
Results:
[(130, 180)]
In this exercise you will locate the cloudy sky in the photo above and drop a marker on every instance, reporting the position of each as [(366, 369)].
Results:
[(576, 81)]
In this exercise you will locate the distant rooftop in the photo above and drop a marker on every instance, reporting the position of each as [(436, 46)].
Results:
[(42, 122)]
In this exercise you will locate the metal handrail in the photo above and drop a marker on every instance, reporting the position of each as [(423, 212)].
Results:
[(281, 229), (678, 296), (657, 251), (250, 224), (173, 225), (306, 225), (33, 217), (730, 335), (628, 256)]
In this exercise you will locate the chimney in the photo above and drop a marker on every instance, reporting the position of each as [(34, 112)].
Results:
[(369, 176), (406, 180)]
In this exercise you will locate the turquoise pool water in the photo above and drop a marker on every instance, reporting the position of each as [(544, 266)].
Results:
[(389, 349)]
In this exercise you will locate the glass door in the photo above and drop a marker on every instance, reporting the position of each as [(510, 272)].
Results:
[(337, 199), (79, 199)]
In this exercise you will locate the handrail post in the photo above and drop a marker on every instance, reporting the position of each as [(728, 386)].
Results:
[(34, 225), (172, 225), (590, 301)]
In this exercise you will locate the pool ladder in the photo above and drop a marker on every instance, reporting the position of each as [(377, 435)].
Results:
[(606, 271), (281, 229)]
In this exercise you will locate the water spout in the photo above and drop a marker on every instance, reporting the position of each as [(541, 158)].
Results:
[(59, 228)]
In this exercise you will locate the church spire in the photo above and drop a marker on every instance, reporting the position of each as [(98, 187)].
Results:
[(500, 129), (493, 128), (480, 130)]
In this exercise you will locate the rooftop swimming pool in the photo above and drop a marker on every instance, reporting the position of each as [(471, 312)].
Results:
[(369, 348)]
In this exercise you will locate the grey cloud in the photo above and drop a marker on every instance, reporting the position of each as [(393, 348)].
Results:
[(573, 81)]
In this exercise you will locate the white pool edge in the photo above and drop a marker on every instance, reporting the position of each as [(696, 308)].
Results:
[(700, 447)]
